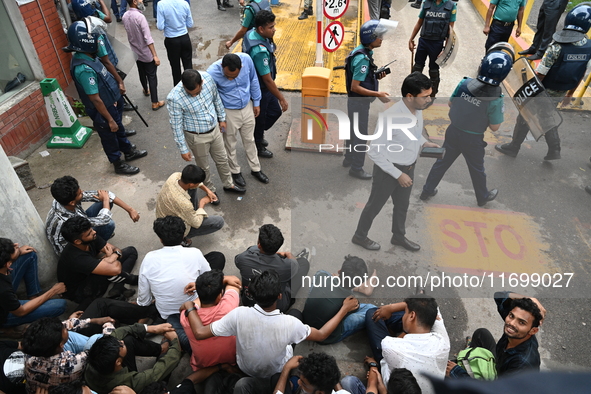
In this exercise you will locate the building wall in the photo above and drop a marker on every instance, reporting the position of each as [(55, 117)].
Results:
[(24, 123)]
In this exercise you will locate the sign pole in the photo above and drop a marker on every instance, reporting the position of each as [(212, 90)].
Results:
[(319, 8)]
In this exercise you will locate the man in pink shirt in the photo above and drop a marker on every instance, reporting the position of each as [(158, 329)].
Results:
[(142, 44), (218, 295)]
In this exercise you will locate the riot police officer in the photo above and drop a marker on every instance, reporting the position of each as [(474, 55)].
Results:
[(362, 89), (561, 70), (100, 94), (475, 105)]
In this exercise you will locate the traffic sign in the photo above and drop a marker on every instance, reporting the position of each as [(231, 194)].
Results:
[(333, 36), (334, 9)]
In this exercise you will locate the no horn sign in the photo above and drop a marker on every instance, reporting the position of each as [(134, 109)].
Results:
[(333, 36)]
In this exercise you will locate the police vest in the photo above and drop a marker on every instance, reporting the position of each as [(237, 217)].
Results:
[(371, 80), (255, 8), (107, 85), (436, 23), (569, 68), (468, 112), (248, 44)]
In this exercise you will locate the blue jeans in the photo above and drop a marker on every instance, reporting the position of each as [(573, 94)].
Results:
[(353, 385), (209, 225), (25, 267), (175, 322), (51, 308), (106, 231), (376, 331)]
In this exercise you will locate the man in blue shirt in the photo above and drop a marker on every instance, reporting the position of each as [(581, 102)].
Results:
[(174, 18), (238, 87)]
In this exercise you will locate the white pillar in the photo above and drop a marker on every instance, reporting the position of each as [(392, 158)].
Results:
[(21, 222)]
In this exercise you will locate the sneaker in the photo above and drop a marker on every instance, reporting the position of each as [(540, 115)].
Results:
[(305, 254)]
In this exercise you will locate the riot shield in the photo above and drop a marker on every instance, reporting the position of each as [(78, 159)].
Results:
[(531, 99), (447, 56)]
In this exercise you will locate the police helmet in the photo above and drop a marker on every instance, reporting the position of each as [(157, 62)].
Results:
[(374, 29), (495, 66), (81, 38), (84, 8), (576, 24)]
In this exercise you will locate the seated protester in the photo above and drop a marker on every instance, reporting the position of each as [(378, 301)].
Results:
[(263, 333), (517, 350), (178, 197), (17, 263), (164, 272), (89, 264), (67, 203), (324, 300), (12, 377), (423, 346), (217, 297), (318, 373), (264, 256), (47, 362), (401, 381), (111, 360)]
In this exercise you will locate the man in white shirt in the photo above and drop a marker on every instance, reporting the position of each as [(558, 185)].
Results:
[(264, 336), (423, 345), (394, 161), (166, 272)]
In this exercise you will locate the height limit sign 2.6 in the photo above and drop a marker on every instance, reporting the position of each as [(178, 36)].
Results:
[(334, 9)]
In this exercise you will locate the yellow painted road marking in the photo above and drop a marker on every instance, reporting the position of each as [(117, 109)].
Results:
[(475, 240)]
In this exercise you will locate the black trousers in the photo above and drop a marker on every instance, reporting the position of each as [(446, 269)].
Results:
[(548, 18), (179, 49), (483, 338), (113, 143), (122, 311), (270, 112), (356, 147), (139, 347), (148, 77), (498, 33), (384, 186)]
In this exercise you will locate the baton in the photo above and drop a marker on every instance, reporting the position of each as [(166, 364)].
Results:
[(412, 59), (135, 109)]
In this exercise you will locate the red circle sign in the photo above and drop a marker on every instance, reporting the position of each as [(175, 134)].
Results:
[(334, 9), (333, 36)]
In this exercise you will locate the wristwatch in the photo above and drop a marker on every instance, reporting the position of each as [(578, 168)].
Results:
[(189, 311), (118, 253), (373, 364)]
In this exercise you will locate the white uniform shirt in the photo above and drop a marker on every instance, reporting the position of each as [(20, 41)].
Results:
[(378, 151), (165, 272), (263, 339), (419, 353)]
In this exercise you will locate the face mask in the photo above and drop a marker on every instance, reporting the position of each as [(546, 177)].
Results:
[(141, 6)]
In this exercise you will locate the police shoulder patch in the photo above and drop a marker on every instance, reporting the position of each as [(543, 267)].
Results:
[(266, 61), (91, 81), (363, 69), (454, 11)]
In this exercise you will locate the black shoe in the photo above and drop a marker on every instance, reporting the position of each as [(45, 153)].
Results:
[(235, 189), (365, 242), (128, 293), (303, 16), (260, 176), (528, 51), (552, 155), (216, 202), (534, 57), (264, 153), (304, 254), (416, 4), (239, 179), (507, 149), (588, 189), (425, 195), (228, 5), (360, 174), (220, 8), (186, 242), (491, 196), (135, 154), (131, 280), (346, 162), (122, 167), (406, 244), (127, 107), (129, 133), (264, 142), (119, 19)]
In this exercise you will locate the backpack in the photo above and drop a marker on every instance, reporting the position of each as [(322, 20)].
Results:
[(478, 362)]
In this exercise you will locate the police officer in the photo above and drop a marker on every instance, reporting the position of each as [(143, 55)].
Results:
[(476, 104), (362, 89), (258, 44), (100, 94), (435, 18), (561, 70)]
